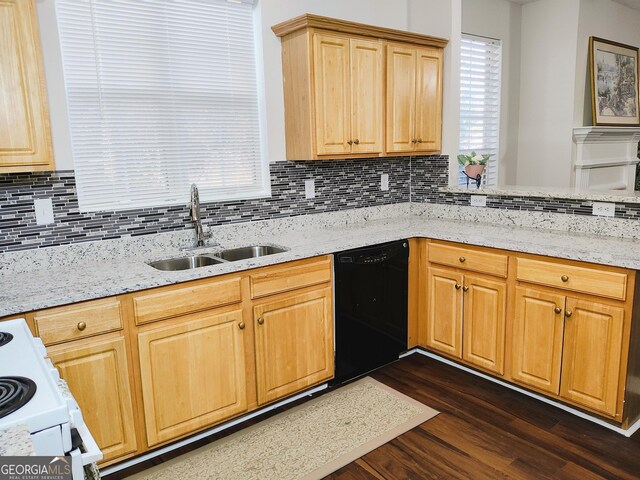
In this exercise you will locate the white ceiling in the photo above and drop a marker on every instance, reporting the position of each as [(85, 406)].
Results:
[(635, 4)]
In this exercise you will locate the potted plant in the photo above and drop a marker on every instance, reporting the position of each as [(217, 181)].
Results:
[(474, 163)]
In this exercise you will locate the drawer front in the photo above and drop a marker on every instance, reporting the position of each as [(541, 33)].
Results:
[(56, 325), (468, 259), (169, 302), (279, 279), (602, 283)]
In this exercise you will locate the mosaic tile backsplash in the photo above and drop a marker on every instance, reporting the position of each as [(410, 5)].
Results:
[(340, 184)]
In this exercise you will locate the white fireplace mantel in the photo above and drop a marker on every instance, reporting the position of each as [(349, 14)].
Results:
[(605, 158)]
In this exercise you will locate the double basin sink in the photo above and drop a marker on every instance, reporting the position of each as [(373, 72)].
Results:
[(204, 260)]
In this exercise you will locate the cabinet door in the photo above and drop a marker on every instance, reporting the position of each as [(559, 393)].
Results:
[(25, 139), (592, 353), (294, 343), (484, 322), (444, 319), (192, 373), (332, 92), (98, 377), (401, 98), (367, 84), (537, 339), (428, 123)]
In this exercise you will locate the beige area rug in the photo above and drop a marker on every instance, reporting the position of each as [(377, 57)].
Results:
[(307, 442)]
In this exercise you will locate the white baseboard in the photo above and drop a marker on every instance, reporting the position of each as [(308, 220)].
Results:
[(207, 433), (134, 461), (627, 433)]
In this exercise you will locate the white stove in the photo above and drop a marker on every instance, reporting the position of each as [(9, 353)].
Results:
[(35, 396)]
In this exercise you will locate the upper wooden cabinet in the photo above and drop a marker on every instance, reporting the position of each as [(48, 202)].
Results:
[(25, 137), (348, 91), (414, 99), (335, 96)]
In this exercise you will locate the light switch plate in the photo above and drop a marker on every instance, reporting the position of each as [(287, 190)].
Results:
[(604, 209), (44, 211), (384, 182), (310, 189), (478, 200)]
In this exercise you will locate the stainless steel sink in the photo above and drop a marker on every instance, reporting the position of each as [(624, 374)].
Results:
[(253, 251), (185, 263), (231, 255)]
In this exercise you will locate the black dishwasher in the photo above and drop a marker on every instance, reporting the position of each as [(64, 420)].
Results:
[(371, 308)]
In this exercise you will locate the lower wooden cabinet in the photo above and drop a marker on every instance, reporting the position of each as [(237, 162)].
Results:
[(485, 303), (270, 337), (294, 343), (536, 342), (193, 373), (444, 317), (592, 354), (558, 327), (97, 372), (466, 317), (569, 347)]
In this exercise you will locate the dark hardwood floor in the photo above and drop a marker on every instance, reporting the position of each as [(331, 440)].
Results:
[(483, 431)]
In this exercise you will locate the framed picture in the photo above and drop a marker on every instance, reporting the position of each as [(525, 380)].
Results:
[(614, 83)]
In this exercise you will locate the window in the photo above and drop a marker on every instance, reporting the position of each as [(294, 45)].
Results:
[(480, 73), (161, 94)]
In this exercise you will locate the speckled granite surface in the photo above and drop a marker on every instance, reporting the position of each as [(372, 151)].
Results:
[(60, 275), (620, 196), (16, 441)]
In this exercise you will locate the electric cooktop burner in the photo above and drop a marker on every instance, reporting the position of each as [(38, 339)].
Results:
[(5, 338), (14, 393)]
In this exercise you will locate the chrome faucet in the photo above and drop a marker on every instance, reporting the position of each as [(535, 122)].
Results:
[(195, 215)]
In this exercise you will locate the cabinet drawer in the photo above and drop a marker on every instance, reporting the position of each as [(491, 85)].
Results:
[(56, 325), (570, 277), (279, 279), (484, 262), (172, 301)]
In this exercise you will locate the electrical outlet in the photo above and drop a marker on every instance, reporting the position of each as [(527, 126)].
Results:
[(604, 209), (310, 189), (44, 211), (478, 200), (384, 182)]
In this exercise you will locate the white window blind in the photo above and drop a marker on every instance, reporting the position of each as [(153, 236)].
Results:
[(480, 83), (161, 94)]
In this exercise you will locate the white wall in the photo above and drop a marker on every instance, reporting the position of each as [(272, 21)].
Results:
[(61, 138), (547, 83), (442, 18), (501, 20), (383, 13), (605, 19), (432, 17)]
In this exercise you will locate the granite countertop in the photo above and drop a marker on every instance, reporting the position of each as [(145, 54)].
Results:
[(615, 196), (81, 279)]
